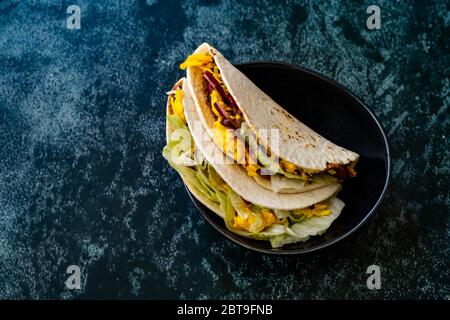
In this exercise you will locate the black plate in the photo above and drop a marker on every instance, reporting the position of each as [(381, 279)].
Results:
[(334, 112)]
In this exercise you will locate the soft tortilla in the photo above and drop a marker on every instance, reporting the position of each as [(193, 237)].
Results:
[(297, 144)]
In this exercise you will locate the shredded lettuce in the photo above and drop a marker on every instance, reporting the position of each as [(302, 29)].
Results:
[(180, 148), (255, 219), (176, 121), (301, 231), (283, 239)]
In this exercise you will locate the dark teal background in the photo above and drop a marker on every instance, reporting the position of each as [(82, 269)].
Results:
[(82, 179)]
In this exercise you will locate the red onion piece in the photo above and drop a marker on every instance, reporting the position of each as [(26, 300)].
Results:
[(215, 84), (233, 104), (222, 112)]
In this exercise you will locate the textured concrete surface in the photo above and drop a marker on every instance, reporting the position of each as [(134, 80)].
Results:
[(82, 179)]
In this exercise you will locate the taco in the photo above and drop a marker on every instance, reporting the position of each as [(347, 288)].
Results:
[(247, 208), (296, 159)]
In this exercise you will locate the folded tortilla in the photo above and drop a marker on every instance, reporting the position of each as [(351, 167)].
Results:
[(226, 99), (247, 209)]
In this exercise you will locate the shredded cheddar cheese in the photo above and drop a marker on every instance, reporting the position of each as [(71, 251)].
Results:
[(252, 169), (241, 223), (266, 217), (319, 210), (215, 98), (177, 103), (197, 60), (288, 166)]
